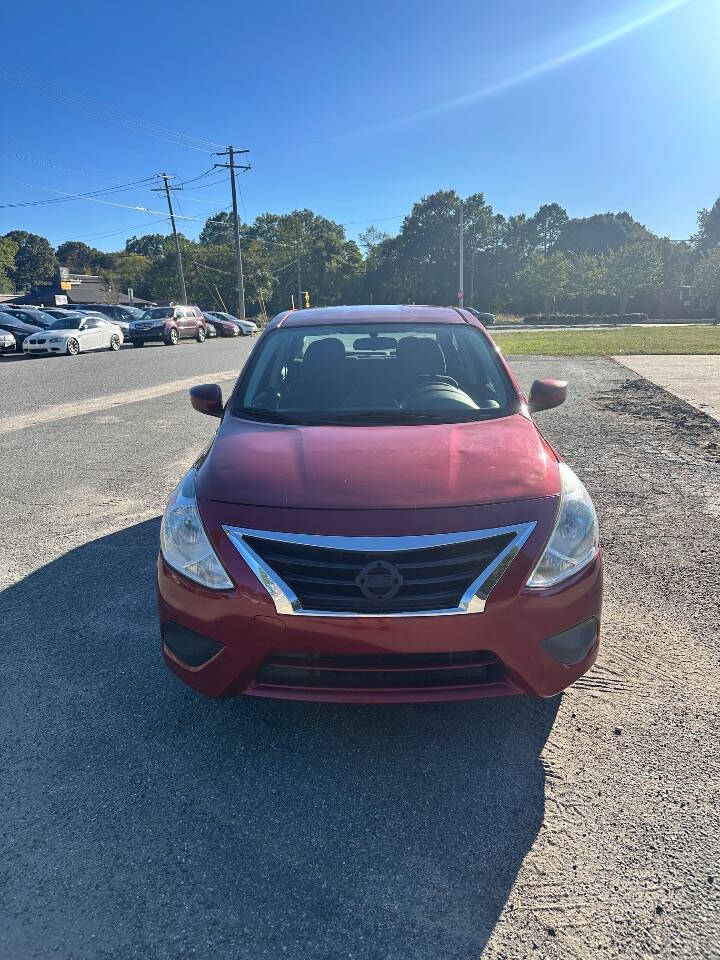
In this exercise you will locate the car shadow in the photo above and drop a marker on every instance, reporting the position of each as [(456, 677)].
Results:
[(146, 820)]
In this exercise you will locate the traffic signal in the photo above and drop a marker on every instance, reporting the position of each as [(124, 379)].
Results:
[(307, 299)]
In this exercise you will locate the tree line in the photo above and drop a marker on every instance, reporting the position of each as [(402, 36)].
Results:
[(607, 262)]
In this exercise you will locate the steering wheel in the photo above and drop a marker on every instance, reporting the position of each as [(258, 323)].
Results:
[(425, 380)]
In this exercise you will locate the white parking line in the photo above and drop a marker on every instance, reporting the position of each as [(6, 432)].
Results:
[(65, 411)]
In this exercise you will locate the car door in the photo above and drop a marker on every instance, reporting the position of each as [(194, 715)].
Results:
[(107, 329), (91, 334), (181, 319), (195, 321)]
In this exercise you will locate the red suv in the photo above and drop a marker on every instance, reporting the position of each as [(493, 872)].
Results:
[(378, 519), (168, 325)]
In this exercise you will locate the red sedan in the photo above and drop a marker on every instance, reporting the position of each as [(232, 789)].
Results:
[(379, 519)]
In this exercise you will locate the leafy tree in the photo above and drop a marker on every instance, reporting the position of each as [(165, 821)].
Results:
[(549, 223), (421, 264), (131, 270), (707, 279), (8, 249), (35, 261), (545, 277), (218, 230), (79, 257), (708, 235), (372, 237), (676, 264), (149, 245), (634, 268), (601, 232), (586, 277)]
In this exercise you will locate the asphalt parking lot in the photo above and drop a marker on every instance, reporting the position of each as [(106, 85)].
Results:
[(141, 821)]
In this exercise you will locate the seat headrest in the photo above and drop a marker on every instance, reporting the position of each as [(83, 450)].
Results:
[(421, 355), (323, 356)]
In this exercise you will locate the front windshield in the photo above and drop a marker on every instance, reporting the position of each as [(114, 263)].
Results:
[(68, 323), (375, 373), (135, 312), (158, 313)]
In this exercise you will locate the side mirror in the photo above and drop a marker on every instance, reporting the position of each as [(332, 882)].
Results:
[(207, 398), (546, 394)]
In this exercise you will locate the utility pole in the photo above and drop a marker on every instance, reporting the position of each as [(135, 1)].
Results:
[(230, 153), (297, 255), (181, 275), (472, 276), (462, 252)]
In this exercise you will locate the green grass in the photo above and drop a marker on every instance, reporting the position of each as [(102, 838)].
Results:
[(699, 338)]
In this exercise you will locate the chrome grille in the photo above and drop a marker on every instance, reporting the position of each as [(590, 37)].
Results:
[(379, 576)]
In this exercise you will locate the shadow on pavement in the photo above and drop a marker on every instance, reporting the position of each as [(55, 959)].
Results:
[(142, 820)]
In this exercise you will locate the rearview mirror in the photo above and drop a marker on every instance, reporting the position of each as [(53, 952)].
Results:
[(207, 398), (546, 394)]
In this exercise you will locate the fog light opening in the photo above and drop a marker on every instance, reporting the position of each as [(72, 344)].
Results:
[(573, 645), (190, 648)]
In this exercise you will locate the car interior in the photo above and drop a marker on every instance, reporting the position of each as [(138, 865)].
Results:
[(376, 371)]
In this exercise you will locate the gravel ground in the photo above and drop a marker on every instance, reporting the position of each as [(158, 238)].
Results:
[(141, 822)]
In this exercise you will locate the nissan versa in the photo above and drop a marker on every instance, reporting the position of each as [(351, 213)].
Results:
[(379, 519)]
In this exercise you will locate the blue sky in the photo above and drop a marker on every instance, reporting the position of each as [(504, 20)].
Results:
[(356, 110)]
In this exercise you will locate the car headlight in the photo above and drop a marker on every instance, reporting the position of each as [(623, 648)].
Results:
[(184, 543), (575, 538), (56, 339)]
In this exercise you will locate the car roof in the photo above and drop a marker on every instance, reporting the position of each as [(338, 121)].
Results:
[(392, 313)]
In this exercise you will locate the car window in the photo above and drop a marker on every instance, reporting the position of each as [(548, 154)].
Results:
[(68, 322), (376, 373)]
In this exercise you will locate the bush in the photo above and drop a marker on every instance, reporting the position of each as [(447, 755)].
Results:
[(580, 319)]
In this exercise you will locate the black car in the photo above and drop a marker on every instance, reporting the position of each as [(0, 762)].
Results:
[(32, 315), (17, 327), (114, 311), (486, 319)]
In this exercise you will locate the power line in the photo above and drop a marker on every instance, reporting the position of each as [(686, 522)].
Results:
[(205, 266), (114, 233), (105, 191), (206, 173), (111, 203), (26, 79), (46, 163)]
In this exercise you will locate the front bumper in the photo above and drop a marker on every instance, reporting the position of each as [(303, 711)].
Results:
[(253, 650), (150, 336), (41, 349)]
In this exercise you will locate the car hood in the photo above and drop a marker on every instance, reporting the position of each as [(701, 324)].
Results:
[(379, 467), (62, 332)]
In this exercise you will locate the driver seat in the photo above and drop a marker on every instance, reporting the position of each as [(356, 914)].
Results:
[(419, 359)]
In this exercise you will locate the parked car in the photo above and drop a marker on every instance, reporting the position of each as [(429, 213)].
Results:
[(115, 311), (124, 325), (9, 323), (32, 315), (8, 344), (57, 313), (168, 325), (210, 329), (75, 334), (487, 319), (230, 326), (378, 518)]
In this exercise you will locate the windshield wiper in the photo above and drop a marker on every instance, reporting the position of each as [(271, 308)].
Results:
[(358, 417)]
